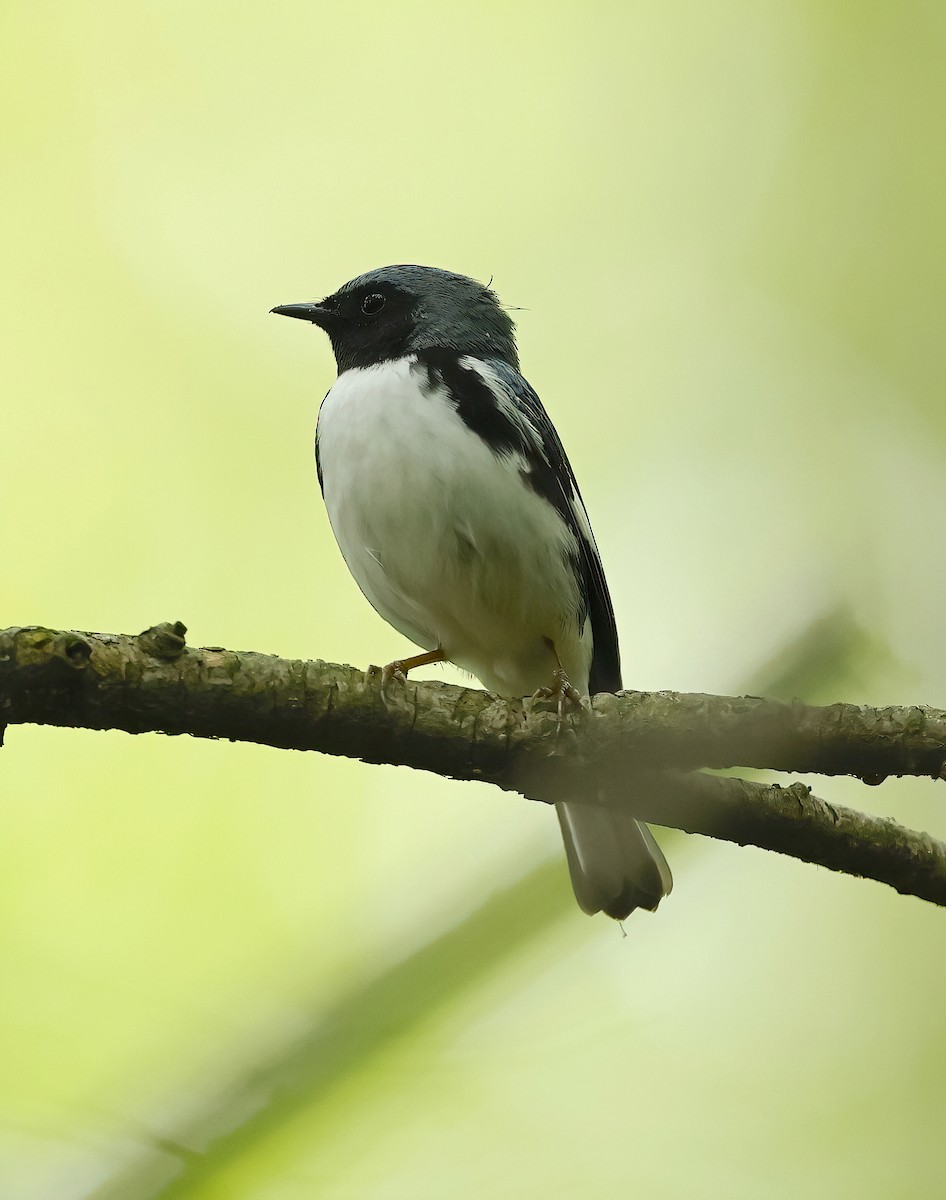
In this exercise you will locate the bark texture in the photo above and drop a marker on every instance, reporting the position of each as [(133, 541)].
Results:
[(637, 749)]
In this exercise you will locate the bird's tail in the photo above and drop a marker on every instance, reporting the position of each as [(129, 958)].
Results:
[(615, 864)]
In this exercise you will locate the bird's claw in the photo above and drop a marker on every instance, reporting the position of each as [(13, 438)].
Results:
[(565, 697), (390, 674)]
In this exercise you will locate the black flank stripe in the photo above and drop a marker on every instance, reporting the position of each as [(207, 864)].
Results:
[(528, 432), (475, 403), (487, 417)]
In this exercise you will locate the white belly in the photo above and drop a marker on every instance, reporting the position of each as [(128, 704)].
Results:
[(445, 539)]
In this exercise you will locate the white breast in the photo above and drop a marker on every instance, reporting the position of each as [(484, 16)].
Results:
[(445, 539)]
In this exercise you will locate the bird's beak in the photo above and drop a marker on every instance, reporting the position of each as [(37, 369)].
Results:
[(315, 313)]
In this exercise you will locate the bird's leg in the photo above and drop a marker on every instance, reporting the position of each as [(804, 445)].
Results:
[(396, 672), (566, 697)]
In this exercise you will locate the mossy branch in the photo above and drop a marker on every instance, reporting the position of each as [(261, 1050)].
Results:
[(634, 748)]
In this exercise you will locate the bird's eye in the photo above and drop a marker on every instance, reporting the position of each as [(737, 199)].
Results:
[(372, 304)]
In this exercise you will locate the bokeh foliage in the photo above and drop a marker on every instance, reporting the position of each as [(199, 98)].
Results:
[(722, 223)]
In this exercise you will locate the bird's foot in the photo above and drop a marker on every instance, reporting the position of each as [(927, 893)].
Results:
[(565, 697), (390, 674), (396, 672)]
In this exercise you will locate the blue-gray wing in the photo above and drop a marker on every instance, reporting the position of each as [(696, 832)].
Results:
[(501, 407)]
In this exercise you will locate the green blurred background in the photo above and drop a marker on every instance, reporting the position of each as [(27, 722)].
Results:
[(231, 972)]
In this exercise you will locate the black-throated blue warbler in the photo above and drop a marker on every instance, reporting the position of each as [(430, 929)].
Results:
[(458, 514)]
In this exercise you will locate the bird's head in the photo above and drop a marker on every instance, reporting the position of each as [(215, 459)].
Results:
[(395, 311)]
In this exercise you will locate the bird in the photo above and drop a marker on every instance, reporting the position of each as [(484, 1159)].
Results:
[(457, 512)]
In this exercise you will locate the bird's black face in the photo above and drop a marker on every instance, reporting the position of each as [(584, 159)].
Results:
[(400, 310), (367, 324)]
